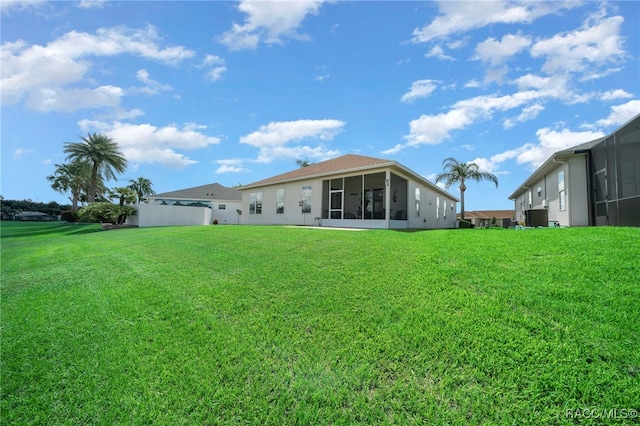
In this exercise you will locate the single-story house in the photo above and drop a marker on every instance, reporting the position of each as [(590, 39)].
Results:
[(351, 191), (201, 205), (596, 183), (36, 216), (484, 218)]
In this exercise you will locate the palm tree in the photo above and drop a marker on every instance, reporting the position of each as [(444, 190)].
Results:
[(142, 187), (123, 194), (303, 163), (102, 153), (73, 177), (456, 171)]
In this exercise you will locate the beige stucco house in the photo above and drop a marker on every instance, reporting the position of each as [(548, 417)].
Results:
[(349, 191)]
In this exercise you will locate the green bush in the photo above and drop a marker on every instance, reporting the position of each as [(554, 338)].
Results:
[(105, 212), (465, 224), (69, 215)]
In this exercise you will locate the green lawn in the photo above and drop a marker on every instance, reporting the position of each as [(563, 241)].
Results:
[(274, 325)]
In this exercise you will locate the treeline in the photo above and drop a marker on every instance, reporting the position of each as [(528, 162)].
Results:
[(12, 207)]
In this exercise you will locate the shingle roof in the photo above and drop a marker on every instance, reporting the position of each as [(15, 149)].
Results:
[(213, 191), (343, 163)]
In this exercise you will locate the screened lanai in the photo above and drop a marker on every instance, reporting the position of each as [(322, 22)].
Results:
[(371, 196)]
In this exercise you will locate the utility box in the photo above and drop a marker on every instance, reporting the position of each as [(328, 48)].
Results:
[(537, 217)]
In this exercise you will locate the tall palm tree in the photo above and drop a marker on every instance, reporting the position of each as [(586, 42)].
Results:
[(71, 177), (457, 171), (142, 187), (102, 153)]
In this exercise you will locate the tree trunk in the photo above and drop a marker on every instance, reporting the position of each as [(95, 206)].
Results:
[(91, 196), (463, 188)]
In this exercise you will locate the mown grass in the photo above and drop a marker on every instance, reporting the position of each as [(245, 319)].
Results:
[(273, 325)]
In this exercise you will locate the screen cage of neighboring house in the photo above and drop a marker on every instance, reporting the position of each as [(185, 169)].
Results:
[(614, 166)]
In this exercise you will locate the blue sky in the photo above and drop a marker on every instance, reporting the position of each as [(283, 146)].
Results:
[(234, 92)]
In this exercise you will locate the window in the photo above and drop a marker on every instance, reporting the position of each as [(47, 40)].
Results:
[(562, 195), (222, 206), (255, 203), (305, 203), (417, 198), (280, 201), (530, 198), (444, 209), (437, 207), (539, 190)]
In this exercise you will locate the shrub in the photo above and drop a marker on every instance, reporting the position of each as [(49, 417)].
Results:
[(466, 224), (104, 212), (215, 221), (69, 215)]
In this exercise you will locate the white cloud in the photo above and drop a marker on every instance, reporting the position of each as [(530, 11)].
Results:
[(496, 52), (7, 6), (528, 113), (145, 143), (91, 4), (438, 52), (597, 45), (434, 129), (18, 153), (274, 138), (268, 22), (216, 65), (620, 114), (232, 165), (551, 141), (613, 95), (419, 89), (457, 17), (69, 100), (42, 74), (152, 87), (534, 154)]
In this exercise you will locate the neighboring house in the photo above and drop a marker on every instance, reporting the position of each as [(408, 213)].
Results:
[(593, 184), (349, 191), (484, 218), (35, 216), (200, 205)]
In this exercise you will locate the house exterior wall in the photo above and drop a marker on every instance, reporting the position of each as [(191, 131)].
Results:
[(293, 215), (430, 203), (544, 193), (578, 191)]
